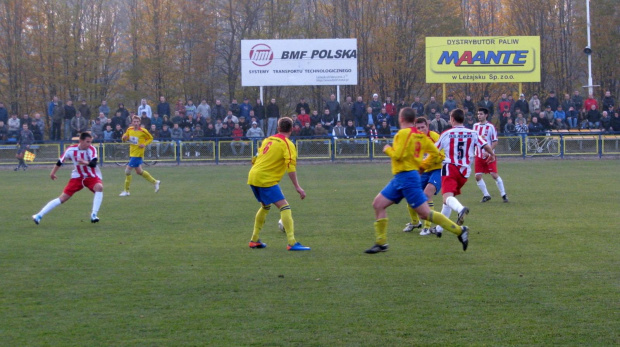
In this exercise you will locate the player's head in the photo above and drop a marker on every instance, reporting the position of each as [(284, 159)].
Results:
[(135, 121), (457, 116), (483, 113), (422, 125), (85, 140), (285, 125), (407, 115)]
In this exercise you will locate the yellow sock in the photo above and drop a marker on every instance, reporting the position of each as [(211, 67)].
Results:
[(445, 223), (415, 219), (427, 223), (259, 221), (147, 176), (287, 220), (381, 231), (127, 182)]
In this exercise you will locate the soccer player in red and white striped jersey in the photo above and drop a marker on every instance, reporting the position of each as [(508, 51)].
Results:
[(487, 131), (458, 144), (85, 173)]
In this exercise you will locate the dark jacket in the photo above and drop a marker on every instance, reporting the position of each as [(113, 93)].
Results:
[(553, 102), (163, 108), (85, 111), (70, 112), (273, 111)]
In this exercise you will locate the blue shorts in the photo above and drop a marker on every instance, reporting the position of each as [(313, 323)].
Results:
[(405, 185), (135, 161), (267, 195), (432, 177)]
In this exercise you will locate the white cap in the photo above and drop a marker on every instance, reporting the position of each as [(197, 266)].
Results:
[(375, 95)]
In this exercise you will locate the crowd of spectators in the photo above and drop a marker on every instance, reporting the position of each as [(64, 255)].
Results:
[(375, 118)]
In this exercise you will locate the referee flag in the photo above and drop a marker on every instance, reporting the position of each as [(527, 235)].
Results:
[(29, 156)]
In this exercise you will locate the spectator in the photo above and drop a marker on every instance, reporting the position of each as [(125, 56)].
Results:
[(102, 118), (450, 104), (197, 133), (306, 130), (272, 113), (97, 130), (70, 113), (108, 133), (402, 105), (200, 120), (157, 121), (571, 118), (190, 108), (546, 118), (338, 130), (177, 118), (315, 118), (593, 118), (204, 109), (534, 103), (296, 130), (488, 104), (369, 118), (384, 130), (350, 131), (118, 133), (163, 108), (590, 101), (469, 121), (560, 114), (608, 101), (230, 119), (503, 104), (359, 111), (319, 130), (234, 107), (445, 115), (166, 121), (24, 140), (255, 131), (39, 123), (78, 124), (327, 120), (218, 126), (417, 105), (346, 110), (302, 104), (180, 107), (51, 106), (605, 122), (303, 117), (188, 121), (521, 105), (14, 126), (615, 123), (124, 114), (4, 131), (510, 128), (144, 107), (438, 124), (85, 110), (244, 109), (164, 136), (244, 125), (57, 117), (558, 124), (469, 103), (534, 127), (384, 116), (259, 113), (225, 131), (25, 120), (577, 101), (218, 112), (552, 101), (333, 106), (521, 126), (390, 108), (117, 120), (104, 108), (210, 131), (145, 121), (432, 105), (187, 137), (375, 104), (176, 133), (503, 119), (36, 131)]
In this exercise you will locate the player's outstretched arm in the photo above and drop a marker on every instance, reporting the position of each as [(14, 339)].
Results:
[(55, 169), (489, 150), (293, 177)]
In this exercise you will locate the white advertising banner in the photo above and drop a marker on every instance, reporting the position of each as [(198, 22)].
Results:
[(298, 62)]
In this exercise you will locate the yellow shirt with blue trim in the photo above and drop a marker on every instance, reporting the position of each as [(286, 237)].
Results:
[(408, 150), (136, 137), (431, 163), (276, 155)]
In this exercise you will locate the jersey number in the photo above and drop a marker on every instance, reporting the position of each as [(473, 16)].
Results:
[(266, 149), (460, 149)]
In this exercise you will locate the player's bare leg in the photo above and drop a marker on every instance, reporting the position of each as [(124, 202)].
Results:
[(50, 206), (380, 204)]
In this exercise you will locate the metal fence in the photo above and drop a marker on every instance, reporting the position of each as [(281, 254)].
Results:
[(326, 148)]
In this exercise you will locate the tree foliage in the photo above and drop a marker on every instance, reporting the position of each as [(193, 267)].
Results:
[(125, 50)]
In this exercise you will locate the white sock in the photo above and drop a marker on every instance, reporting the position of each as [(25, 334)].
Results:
[(483, 187), (454, 204), (500, 185), (97, 201), (446, 211), (50, 206)]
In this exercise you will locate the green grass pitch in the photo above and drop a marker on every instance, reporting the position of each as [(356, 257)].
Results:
[(174, 268)]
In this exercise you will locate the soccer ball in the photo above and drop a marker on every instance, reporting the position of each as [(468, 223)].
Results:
[(281, 226)]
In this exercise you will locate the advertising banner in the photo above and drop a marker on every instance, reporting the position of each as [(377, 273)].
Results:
[(298, 62), (486, 59)]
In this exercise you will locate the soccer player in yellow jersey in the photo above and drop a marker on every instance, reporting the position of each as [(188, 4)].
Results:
[(138, 138), (276, 155), (430, 181), (407, 153)]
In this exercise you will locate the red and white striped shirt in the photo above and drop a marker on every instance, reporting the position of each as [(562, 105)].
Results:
[(458, 144), (74, 153), (488, 133)]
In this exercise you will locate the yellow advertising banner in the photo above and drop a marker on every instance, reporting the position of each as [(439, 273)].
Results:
[(484, 59)]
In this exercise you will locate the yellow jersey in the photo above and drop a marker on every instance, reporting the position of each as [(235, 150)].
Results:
[(136, 137), (276, 155), (431, 163), (408, 150)]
